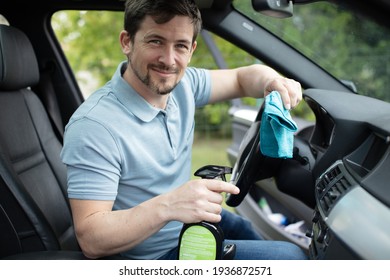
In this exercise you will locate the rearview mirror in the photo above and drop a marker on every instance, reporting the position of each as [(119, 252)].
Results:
[(274, 8)]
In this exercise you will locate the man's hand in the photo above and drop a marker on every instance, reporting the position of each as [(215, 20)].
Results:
[(198, 200), (290, 91)]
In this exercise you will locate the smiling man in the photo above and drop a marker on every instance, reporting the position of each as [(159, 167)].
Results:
[(128, 146)]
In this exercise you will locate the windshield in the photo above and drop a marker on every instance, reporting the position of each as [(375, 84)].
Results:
[(352, 48)]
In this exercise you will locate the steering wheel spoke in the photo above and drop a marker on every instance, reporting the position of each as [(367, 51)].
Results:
[(251, 165)]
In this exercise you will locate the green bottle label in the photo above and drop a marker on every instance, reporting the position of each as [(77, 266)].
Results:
[(197, 243)]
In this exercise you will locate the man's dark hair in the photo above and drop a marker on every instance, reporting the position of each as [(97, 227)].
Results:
[(161, 11)]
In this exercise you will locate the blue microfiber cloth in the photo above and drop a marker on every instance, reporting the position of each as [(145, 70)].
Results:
[(277, 128)]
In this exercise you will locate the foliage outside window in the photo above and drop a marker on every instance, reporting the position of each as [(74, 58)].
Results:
[(347, 45)]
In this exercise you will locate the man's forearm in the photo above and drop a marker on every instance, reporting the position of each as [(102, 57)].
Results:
[(107, 232)]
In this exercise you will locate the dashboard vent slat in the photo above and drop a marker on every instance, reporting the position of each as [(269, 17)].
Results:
[(331, 186)]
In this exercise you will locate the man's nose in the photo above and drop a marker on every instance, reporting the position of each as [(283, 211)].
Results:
[(168, 56)]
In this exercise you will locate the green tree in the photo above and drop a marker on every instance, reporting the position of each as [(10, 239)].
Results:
[(90, 40)]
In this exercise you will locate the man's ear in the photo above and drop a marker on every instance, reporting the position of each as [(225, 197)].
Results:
[(125, 41), (194, 44), (192, 50)]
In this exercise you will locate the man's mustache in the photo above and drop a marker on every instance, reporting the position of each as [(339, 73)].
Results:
[(164, 68)]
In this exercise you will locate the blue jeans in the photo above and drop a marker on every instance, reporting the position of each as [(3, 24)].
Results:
[(249, 244)]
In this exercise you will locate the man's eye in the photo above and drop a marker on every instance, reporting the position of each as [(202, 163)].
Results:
[(155, 42), (182, 46)]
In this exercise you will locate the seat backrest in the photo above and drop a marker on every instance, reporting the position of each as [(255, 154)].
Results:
[(34, 210)]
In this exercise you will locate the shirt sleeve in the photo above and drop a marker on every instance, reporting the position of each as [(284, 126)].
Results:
[(200, 80), (93, 161)]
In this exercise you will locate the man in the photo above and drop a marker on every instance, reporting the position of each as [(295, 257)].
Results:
[(128, 147)]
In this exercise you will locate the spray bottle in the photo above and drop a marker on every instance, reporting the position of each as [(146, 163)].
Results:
[(204, 240)]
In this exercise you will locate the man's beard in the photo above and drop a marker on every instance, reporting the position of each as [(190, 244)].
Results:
[(160, 87)]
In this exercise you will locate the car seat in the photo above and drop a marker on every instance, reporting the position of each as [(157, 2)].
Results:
[(35, 217)]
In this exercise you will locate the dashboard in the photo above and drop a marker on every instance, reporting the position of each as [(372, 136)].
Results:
[(350, 147)]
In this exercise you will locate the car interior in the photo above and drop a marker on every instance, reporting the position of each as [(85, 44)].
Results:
[(337, 181), (35, 212)]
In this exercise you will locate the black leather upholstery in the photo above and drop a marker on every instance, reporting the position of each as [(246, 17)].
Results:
[(34, 210)]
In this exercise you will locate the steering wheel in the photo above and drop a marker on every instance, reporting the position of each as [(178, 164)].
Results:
[(251, 165)]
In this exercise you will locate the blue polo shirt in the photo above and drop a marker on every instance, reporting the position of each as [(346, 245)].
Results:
[(118, 147)]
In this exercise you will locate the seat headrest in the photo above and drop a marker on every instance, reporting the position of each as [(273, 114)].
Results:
[(18, 63)]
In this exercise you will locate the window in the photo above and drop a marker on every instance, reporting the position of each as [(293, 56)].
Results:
[(350, 47), (90, 40)]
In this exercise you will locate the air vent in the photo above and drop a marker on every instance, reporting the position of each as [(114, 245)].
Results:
[(331, 186)]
